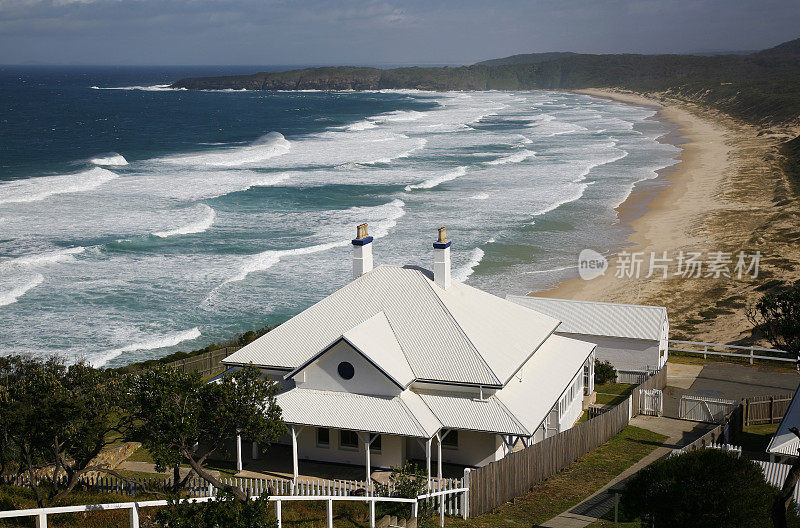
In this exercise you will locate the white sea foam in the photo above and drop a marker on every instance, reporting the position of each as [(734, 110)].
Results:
[(162, 341), (43, 259), (35, 189), (516, 157), (358, 126), (438, 180), (393, 211), (111, 159), (198, 226), (404, 154), (267, 146), (15, 292), (479, 196), (153, 88), (462, 273)]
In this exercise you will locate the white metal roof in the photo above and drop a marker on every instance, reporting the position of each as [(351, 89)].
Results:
[(458, 412), (458, 335), (599, 318), (784, 442), (517, 409), (530, 394), (357, 412)]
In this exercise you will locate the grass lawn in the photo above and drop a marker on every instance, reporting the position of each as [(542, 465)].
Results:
[(569, 487), (613, 393), (756, 437)]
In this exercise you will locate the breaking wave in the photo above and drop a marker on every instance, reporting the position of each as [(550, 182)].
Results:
[(35, 189), (63, 255), (198, 226), (438, 180), (267, 146), (516, 157), (12, 295), (111, 159), (462, 273), (166, 340)]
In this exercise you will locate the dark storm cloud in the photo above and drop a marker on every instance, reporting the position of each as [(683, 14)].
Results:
[(375, 32)]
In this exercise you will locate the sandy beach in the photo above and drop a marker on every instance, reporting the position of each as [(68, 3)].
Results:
[(728, 194)]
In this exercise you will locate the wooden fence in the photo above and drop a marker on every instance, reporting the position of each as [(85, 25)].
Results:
[(766, 409), (499, 482), (206, 364)]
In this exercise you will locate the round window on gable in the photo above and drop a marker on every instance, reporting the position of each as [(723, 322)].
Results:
[(346, 370)]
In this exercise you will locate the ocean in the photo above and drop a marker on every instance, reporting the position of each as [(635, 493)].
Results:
[(136, 220)]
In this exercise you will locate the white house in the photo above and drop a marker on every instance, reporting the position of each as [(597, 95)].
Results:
[(630, 337), (402, 363), (784, 446)]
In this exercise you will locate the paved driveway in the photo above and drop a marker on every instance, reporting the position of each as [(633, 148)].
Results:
[(729, 381)]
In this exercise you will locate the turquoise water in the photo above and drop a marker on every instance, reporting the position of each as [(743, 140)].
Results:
[(136, 220)]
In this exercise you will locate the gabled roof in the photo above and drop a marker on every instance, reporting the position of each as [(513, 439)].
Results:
[(518, 409), (403, 415), (599, 318), (784, 442), (546, 376), (375, 340), (459, 335)]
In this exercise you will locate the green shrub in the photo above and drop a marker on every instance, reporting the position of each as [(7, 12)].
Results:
[(707, 487), (604, 372), (226, 511)]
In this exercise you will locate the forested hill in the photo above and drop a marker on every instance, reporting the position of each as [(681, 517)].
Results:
[(762, 88)]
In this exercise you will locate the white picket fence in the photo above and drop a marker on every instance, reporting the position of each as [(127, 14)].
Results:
[(775, 473), (448, 496), (745, 352), (651, 402), (439, 497), (737, 450)]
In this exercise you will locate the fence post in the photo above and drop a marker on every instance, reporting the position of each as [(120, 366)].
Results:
[(465, 500), (278, 513), (751, 355), (771, 409), (372, 513), (705, 352), (134, 517), (41, 520), (414, 508), (330, 513)]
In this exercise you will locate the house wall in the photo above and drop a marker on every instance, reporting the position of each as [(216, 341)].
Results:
[(474, 449), (323, 374), (624, 353), (392, 451)]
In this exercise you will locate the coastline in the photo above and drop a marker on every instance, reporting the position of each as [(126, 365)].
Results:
[(719, 193)]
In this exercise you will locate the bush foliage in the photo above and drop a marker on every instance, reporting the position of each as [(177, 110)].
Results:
[(707, 487), (604, 372)]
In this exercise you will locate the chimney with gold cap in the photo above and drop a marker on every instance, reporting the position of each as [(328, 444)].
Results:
[(441, 260), (362, 252)]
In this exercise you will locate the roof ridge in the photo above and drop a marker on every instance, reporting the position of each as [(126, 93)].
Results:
[(411, 413), (400, 346), (514, 418), (584, 301), (463, 333)]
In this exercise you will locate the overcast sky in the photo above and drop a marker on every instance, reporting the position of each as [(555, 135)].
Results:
[(318, 32)]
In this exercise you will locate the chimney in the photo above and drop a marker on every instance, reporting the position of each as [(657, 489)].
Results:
[(362, 252), (441, 260)]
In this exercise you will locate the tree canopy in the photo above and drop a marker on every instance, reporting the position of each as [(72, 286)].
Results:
[(707, 487), (777, 316)]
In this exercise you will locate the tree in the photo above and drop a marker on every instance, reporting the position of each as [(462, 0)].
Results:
[(407, 481), (604, 372), (707, 487), (225, 511), (777, 316), (54, 421), (179, 418)]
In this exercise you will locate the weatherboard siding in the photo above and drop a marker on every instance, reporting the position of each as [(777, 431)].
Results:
[(624, 353)]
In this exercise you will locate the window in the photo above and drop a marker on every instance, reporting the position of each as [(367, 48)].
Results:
[(348, 439), (346, 370), (323, 437), (450, 441), (376, 442)]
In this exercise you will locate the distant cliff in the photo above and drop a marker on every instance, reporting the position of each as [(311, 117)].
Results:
[(762, 88)]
